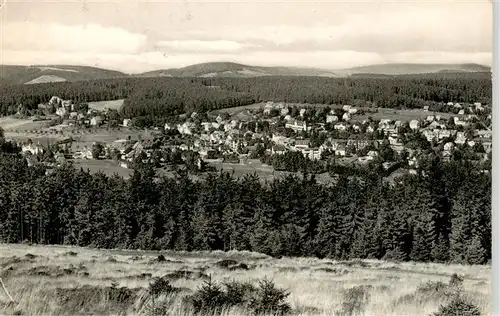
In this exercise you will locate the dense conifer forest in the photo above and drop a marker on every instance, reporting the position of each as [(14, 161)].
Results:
[(166, 96), (441, 215)]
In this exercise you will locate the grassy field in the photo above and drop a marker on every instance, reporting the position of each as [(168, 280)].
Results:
[(108, 167), (401, 115), (9, 123), (101, 105), (57, 280), (265, 172), (382, 113)]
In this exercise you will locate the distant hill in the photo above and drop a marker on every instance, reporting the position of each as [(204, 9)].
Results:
[(406, 69), (53, 73), (226, 69), (59, 73)]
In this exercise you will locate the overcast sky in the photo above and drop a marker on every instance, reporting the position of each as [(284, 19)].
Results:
[(139, 36)]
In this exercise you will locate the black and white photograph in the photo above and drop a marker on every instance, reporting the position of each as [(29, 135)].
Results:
[(248, 158)]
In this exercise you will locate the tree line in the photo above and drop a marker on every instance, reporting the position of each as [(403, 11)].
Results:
[(441, 214), (160, 97)]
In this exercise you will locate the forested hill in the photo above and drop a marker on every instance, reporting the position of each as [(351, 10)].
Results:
[(53, 73), (225, 69), (405, 69), (60, 73), (166, 96)]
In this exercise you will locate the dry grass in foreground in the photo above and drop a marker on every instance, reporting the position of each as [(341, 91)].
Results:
[(56, 280)]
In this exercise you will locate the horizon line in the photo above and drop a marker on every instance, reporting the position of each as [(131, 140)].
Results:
[(243, 64)]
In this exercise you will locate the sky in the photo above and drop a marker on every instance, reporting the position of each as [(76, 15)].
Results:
[(138, 36)]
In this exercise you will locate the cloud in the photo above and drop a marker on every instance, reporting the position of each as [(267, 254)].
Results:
[(91, 38), (347, 35), (483, 58), (429, 26), (204, 45)]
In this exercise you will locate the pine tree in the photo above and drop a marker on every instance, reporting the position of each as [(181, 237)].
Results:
[(475, 253)]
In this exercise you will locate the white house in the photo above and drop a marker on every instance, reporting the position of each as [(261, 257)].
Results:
[(353, 111), (479, 106), (96, 121), (346, 117), (458, 121), (448, 146), (32, 148), (384, 123), (297, 126), (302, 112), (61, 111), (301, 144), (393, 140), (429, 135), (169, 126), (372, 154), (332, 118), (460, 139), (414, 124), (340, 126), (55, 100), (313, 154), (185, 128), (340, 151), (346, 108), (413, 162)]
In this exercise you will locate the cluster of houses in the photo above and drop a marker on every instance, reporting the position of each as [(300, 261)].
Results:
[(72, 113), (218, 135)]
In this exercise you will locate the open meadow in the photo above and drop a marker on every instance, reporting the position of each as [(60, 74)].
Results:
[(266, 173), (382, 113), (10, 123), (111, 104), (58, 280)]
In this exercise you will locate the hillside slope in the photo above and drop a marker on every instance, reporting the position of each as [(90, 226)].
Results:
[(53, 73), (226, 69), (59, 73), (404, 69)]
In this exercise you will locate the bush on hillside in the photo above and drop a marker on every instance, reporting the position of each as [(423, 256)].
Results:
[(458, 307)]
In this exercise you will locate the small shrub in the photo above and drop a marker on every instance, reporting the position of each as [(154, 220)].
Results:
[(161, 286), (430, 291), (264, 299), (161, 258), (226, 263), (354, 300), (456, 280), (31, 256), (238, 293), (270, 300), (458, 307), (208, 299)]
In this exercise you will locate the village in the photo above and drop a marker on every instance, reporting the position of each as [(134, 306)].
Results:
[(346, 134)]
